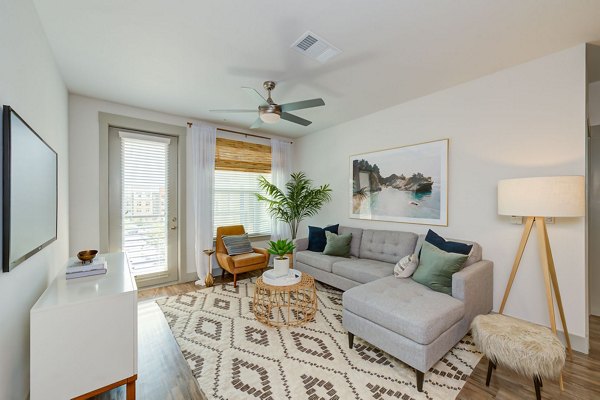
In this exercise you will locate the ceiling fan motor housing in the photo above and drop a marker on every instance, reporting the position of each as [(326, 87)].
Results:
[(270, 113)]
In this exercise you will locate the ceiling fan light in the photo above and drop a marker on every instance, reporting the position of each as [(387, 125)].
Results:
[(270, 117)]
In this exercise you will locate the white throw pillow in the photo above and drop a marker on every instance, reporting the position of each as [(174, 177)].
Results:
[(406, 266)]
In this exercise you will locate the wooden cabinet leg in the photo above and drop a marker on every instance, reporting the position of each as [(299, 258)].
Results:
[(131, 390)]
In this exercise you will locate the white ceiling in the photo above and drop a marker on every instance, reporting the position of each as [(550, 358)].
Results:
[(188, 56)]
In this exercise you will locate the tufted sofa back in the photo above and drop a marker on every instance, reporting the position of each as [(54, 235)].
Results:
[(387, 246)]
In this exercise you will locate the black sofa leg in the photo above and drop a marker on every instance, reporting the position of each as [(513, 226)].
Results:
[(491, 366), (538, 384), (420, 378), (350, 339)]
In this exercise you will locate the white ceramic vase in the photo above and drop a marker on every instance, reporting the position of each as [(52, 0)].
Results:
[(281, 266)]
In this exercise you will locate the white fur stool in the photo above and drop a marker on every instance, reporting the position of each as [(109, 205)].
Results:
[(528, 349)]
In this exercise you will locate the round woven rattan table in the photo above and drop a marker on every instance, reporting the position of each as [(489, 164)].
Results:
[(290, 305)]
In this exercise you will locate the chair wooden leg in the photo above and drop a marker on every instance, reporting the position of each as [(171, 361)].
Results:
[(234, 280), (538, 384), (491, 367), (420, 379), (222, 274), (350, 339)]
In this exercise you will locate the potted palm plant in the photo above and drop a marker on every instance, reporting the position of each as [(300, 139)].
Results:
[(281, 249), (299, 200)]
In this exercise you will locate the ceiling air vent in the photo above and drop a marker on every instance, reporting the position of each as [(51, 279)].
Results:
[(315, 47)]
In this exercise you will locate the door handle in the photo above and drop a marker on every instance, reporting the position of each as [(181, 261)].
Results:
[(173, 227)]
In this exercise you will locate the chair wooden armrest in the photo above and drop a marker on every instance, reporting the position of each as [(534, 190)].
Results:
[(260, 250), (225, 261)]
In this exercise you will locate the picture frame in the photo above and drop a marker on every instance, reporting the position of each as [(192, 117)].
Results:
[(407, 184)]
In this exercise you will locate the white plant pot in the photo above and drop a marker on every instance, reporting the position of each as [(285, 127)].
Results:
[(281, 266)]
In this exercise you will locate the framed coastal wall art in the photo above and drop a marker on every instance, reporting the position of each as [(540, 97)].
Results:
[(404, 184)]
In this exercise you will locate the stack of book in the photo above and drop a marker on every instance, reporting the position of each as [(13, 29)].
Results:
[(77, 269)]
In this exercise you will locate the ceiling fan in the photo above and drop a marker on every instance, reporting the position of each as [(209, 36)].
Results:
[(270, 112)]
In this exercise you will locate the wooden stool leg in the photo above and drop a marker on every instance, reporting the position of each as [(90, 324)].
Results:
[(538, 384), (350, 339), (420, 379), (491, 366)]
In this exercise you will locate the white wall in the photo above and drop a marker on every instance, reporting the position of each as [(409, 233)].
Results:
[(594, 221), (30, 82), (594, 103), (527, 120), (594, 196)]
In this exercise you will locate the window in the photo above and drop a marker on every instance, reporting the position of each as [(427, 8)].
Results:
[(237, 168), (144, 200)]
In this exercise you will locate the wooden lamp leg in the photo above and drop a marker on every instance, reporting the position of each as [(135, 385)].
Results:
[(513, 273), (546, 270), (549, 280), (557, 291)]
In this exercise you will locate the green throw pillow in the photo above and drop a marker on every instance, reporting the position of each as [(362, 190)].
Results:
[(436, 268), (337, 245)]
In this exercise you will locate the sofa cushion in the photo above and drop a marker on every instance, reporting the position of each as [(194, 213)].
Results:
[(362, 270), (337, 245), (436, 268), (447, 245), (474, 256), (405, 307), (316, 237), (317, 260), (356, 238), (387, 246)]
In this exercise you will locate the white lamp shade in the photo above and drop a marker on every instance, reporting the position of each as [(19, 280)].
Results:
[(551, 196)]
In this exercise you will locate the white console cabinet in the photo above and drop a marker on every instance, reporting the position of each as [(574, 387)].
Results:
[(84, 335)]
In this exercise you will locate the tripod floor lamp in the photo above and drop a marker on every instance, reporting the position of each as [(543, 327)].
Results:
[(536, 198)]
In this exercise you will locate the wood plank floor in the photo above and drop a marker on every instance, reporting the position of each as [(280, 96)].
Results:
[(165, 375)]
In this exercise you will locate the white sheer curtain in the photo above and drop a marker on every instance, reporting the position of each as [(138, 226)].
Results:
[(281, 168), (201, 146)]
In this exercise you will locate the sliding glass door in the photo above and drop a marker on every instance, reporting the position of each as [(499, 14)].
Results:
[(143, 203)]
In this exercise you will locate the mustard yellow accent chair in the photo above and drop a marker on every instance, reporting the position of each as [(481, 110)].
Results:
[(242, 262)]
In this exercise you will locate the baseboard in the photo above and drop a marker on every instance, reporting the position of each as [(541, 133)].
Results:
[(578, 343)]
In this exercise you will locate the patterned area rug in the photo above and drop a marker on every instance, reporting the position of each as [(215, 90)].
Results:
[(233, 356)]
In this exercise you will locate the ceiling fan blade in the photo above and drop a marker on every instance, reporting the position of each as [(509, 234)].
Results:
[(257, 124), (233, 111), (257, 96), (299, 105), (295, 119)]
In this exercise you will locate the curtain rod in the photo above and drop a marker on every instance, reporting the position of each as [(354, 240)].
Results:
[(189, 124)]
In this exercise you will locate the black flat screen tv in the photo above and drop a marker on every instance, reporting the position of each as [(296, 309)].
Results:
[(29, 191)]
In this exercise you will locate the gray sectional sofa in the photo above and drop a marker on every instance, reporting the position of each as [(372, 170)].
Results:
[(411, 322)]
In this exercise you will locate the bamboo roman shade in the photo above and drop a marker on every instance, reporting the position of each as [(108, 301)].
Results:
[(234, 155)]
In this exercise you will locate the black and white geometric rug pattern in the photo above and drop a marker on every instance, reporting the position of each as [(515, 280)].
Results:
[(233, 356)]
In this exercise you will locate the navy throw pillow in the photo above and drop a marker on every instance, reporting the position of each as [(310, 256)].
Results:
[(317, 239), (449, 247)]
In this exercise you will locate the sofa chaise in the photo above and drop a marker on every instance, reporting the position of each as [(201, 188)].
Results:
[(408, 320)]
